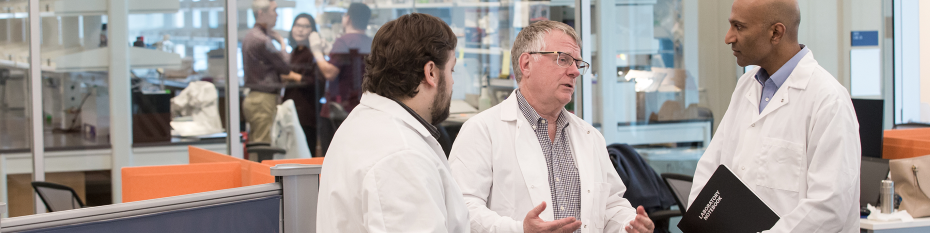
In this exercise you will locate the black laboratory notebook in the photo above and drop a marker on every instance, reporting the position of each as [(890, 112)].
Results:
[(727, 205)]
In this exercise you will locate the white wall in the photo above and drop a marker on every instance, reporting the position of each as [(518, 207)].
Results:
[(924, 94), (820, 31), (718, 73), (866, 82), (866, 15)]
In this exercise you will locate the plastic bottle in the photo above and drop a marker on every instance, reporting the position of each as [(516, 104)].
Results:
[(103, 36), (165, 44), (484, 101)]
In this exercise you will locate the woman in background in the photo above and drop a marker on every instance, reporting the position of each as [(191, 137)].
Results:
[(307, 93)]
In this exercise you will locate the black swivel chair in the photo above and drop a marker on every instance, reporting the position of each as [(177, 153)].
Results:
[(4, 76), (263, 150), (644, 186), (680, 185), (57, 197)]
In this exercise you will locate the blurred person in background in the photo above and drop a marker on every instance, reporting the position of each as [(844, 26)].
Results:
[(344, 70), (265, 69), (307, 93)]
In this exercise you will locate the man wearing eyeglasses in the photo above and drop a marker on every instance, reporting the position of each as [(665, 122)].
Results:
[(529, 165)]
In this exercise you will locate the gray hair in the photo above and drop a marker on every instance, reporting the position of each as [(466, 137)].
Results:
[(532, 39), (260, 5)]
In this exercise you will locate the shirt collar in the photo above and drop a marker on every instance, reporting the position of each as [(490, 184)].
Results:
[(431, 128), (533, 117), (261, 29), (781, 75)]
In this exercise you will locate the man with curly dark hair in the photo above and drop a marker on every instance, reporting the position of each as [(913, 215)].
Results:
[(385, 170)]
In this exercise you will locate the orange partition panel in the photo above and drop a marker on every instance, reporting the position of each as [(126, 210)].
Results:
[(150, 182), (261, 174), (906, 143), (314, 160), (198, 155)]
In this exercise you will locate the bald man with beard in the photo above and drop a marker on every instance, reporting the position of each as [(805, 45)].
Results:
[(790, 132)]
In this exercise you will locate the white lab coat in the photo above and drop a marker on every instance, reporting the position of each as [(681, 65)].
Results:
[(287, 134), (384, 172), (198, 100), (501, 169), (800, 155)]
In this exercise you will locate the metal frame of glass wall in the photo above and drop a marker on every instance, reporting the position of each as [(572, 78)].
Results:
[(714, 64), (121, 143)]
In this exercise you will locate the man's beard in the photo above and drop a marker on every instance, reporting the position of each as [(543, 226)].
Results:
[(440, 109)]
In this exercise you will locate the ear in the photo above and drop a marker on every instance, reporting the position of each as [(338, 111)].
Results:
[(431, 74), (524, 63), (778, 32)]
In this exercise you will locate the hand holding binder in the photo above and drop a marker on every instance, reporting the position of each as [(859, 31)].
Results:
[(727, 205)]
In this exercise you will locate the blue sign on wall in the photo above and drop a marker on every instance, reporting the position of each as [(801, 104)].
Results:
[(865, 38)]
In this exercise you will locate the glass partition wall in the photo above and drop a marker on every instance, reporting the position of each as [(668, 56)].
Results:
[(645, 94), (16, 115), (485, 31), (120, 83), (133, 82)]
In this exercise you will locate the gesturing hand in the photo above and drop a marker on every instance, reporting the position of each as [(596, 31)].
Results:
[(642, 223), (292, 77), (532, 223), (316, 42), (316, 46)]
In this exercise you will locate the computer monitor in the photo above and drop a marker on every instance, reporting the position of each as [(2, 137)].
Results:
[(872, 172), (870, 113)]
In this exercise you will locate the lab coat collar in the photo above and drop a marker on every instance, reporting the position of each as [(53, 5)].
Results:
[(798, 79), (388, 106), (802, 73), (781, 75), (509, 108)]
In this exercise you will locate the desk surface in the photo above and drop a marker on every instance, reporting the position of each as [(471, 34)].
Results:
[(879, 225)]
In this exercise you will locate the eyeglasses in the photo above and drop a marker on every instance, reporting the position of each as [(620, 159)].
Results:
[(565, 59)]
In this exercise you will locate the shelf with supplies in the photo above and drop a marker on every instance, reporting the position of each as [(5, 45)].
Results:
[(491, 51), (52, 8), (431, 5), (99, 7), (96, 59), (221, 4), (641, 133)]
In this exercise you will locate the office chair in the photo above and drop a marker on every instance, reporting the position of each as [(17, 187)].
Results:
[(680, 185), (263, 150), (644, 186), (4, 76), (910, 126), (57, 197)]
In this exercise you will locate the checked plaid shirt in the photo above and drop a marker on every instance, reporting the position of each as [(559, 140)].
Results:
[(564, 182)]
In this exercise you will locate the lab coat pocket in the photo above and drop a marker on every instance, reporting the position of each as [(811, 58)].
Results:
[(601, 195), (781, 163)]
